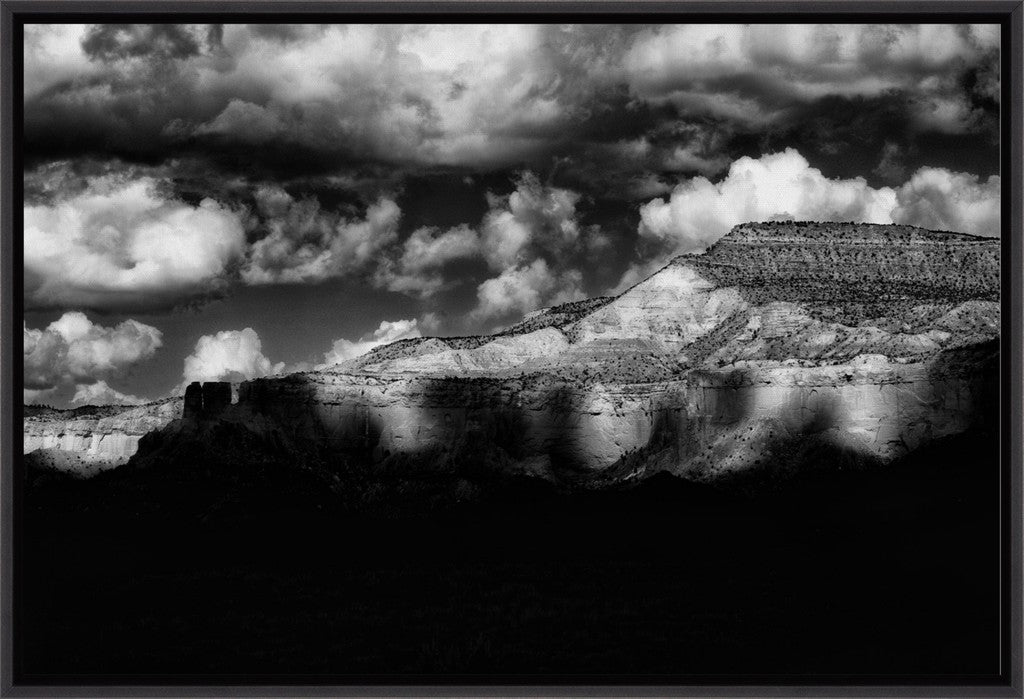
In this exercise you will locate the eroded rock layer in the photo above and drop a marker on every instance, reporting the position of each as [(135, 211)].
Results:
[(93, 438), (783, 345)]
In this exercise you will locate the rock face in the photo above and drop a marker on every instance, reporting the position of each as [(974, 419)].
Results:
[(783, 345), (90, 439), (206, 400), (93, 438)]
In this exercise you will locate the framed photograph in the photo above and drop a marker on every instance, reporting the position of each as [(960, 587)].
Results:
[(538, 348)]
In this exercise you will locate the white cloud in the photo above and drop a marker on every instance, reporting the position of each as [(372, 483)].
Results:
[(490, 95), (307, 244), (427, 93), (690, 52), (53, 53), (782, 186), (424, 254), (534, 218), (533, 238), (801, 62), (74, 350), (519, 290), (122, 243), (950, 201), (505, 238), (776, 186), (230, 355), (388, 331), (427, 248), (100, 393)]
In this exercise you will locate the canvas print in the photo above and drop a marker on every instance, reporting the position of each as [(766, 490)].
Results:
[(525, 352)]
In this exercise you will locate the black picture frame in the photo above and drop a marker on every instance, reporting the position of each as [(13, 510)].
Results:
[(1007, 13)]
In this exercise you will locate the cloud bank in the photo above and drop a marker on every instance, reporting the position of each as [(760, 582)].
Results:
[(465, 174), (658, 98), (74, 351), (783, 186)]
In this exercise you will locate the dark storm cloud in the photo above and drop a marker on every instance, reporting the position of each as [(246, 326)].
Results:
[(110, 42), (197, 128), (628, 103), (286, 33), (335, 187)]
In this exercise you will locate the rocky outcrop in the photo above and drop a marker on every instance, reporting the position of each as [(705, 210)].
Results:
[(704, 424), (98, 437), (784, 345), (203, 401), (90, 439)]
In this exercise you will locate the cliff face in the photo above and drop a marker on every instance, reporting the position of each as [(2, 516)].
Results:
[(705, 424), (93, 438), (784, 344)]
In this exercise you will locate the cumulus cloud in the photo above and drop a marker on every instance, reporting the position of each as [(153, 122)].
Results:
[(525, 288), (950, 201), (100, 393), (604, 114), (419, 269), (123, 243), (534, 239), (447, 94), (388, 331), (229, 355), (530, 239), (532, 219), (73, 350), (308, 244), (783, 186), (775, 186)]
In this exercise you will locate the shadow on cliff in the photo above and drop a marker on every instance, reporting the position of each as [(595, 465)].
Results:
[(472, 437), (222, 552), (737, 450), (975, 366), (277, 447), (733, 447), (564, 444), (881, 572), (239, 553), (473, 427), (495, 428)]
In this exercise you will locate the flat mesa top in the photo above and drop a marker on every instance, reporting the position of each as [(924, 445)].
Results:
[(844, 233), (844, 263)]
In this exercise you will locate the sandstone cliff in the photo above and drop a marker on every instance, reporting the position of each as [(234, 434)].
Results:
[(92, 438), (784, 345)]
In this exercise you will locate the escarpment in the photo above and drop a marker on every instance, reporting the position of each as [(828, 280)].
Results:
[(784, 346), (90, 439)]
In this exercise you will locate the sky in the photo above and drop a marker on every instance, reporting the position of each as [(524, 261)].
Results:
[(228, 202)]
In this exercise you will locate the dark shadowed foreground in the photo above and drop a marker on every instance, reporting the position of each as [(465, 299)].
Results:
[(220, 573)]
